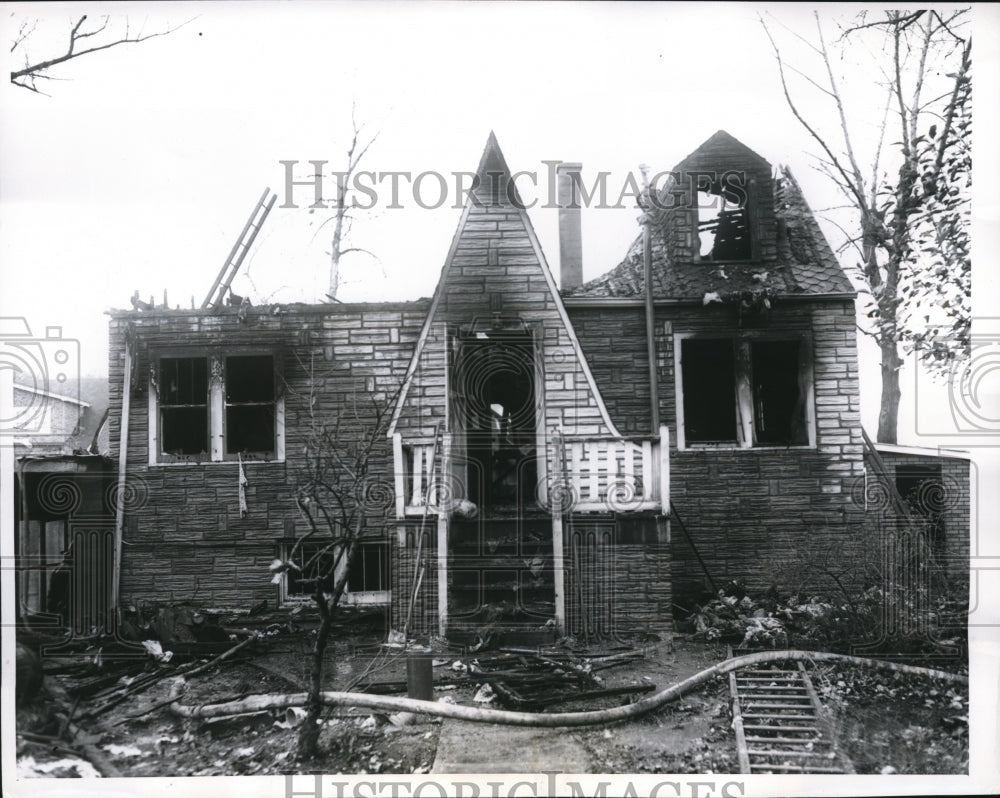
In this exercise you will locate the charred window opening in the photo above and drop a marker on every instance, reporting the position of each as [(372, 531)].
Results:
[(778, 396), (723, 219), (708, 368), (370, 569), (923, 490), (250, 416), (184, 405), (744, 392)]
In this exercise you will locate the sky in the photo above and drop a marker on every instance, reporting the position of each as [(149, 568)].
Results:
[(140, 169)]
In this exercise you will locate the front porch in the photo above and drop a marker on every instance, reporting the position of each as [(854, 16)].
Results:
[(567, 558)]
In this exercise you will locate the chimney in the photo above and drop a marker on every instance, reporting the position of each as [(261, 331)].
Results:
[(570, 227)]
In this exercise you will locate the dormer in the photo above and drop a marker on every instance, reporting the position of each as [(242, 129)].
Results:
[(720, 207)]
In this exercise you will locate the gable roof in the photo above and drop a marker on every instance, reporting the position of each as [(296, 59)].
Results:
[(805, 263), (523, 260)]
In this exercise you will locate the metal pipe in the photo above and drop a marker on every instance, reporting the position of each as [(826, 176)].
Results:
[(654, 390)]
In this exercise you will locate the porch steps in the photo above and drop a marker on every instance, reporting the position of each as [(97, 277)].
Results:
[(780, 724), (501, 581)]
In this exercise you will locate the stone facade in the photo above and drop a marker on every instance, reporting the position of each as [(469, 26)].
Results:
[(185, 539)]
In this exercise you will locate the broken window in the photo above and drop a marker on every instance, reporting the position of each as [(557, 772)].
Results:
[(302, 584), (249, 404), (744, 392), (723, 219), (709, 390), (370, 570), (368, 579), (778, 396), (216, 407), (184, 405)]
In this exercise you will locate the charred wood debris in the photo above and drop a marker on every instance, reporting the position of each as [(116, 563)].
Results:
[(99, 673)]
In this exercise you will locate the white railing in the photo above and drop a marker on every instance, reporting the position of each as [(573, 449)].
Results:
[(615, 474), (591, 475)]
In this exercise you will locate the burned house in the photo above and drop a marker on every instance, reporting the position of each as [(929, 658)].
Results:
[(574, 460)]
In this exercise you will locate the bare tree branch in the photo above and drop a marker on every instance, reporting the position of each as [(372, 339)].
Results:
[(26, 77)]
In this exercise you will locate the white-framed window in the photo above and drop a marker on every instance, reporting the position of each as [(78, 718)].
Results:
[(215, 407), (367, 581), (744, 391)]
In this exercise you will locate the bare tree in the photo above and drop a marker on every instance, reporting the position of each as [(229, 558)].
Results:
[(910, 201), (342, 496), (84, 39), (345, 204)]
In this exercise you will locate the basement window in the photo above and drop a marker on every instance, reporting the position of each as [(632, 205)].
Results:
[(215, 408), (723, 219), (369, 572), (743, 392), (367, 581), (300, 585)]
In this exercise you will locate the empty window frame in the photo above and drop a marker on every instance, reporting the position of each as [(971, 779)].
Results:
[(743, 392), (724, 218), (250, 415), (184, 417), (370, 570), (214, 408)]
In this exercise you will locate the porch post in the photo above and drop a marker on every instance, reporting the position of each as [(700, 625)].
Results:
[(665, 470), (444, 513)]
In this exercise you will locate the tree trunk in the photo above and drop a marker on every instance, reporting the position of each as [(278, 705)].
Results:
[(309, 731), (888, 415)]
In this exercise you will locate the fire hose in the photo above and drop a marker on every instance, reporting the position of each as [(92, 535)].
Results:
[(539, 719)]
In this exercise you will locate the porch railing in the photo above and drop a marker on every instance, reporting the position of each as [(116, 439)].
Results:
[(588, 475), (614, 474)]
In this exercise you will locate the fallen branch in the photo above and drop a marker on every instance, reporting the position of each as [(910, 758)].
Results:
[(556, 719), (224, 656)]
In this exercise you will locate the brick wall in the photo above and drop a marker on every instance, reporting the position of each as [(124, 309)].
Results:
[(495, 257), (618, 579), (184, 537)]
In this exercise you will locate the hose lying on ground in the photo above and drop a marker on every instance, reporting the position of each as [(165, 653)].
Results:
[(554, 719)]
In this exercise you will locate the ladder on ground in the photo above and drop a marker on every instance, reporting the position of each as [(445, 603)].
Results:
[(239, 250), (780, 724)]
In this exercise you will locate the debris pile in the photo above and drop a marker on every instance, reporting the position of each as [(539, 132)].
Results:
[(768, 621)]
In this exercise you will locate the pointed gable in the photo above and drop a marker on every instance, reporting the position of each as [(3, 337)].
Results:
[(495, 277), (791, 256)]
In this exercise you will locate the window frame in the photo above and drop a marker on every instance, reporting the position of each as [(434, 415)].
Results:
[(350, 598), (749, 207), (743, 401), (217, 405)]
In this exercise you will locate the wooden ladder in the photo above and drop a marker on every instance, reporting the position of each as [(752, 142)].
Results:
[(780, 724)]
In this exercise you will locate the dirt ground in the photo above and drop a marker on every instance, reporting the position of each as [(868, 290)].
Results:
[(142, 737)]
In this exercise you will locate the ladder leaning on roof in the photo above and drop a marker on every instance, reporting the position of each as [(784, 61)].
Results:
[(239, 250)]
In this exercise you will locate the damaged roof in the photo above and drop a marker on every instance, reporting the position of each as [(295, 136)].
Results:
[(805, 264)]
